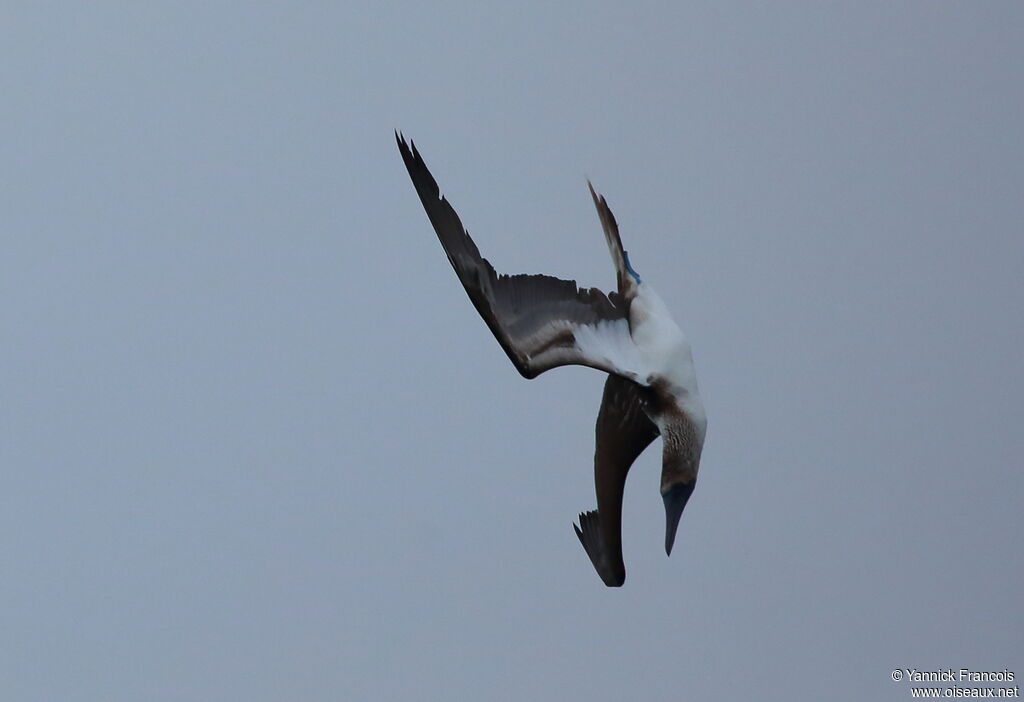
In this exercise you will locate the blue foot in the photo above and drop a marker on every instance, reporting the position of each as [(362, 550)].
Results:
[(629, 268)]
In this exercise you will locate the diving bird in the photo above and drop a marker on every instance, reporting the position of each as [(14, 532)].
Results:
[(544, 322)]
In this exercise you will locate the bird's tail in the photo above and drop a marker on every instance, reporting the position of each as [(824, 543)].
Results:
[(625, 275)]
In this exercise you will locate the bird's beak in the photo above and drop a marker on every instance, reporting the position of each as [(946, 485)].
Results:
[(675, 500)]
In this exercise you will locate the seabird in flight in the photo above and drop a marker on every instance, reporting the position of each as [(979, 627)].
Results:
[(544, 322)]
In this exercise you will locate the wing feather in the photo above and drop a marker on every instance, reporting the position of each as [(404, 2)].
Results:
[(534, 317)]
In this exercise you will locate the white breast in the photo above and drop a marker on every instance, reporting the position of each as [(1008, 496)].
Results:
[(665, 352), (659, 340), (650, 347)]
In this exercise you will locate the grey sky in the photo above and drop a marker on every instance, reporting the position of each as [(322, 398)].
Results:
[(256, 444)]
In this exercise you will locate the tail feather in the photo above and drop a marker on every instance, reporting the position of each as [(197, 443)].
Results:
[(626, 282), (589, 534)]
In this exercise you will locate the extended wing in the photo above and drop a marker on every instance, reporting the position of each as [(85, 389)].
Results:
[(537, 319), (623, 431)]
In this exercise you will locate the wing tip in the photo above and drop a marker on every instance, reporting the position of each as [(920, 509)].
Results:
[(589, 534), (403, 145), (423, 180)]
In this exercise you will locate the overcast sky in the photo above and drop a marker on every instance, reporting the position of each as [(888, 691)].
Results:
[(256, 444)]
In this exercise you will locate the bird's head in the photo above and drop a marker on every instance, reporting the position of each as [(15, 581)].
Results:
[(683, 442)]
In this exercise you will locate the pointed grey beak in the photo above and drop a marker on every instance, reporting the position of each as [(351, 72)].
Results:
[(675, 500)]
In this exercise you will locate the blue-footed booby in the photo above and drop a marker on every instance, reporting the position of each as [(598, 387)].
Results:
[(544, 322)]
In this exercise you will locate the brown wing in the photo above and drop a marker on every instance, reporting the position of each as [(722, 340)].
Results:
[(531, 316), (623, 432)]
